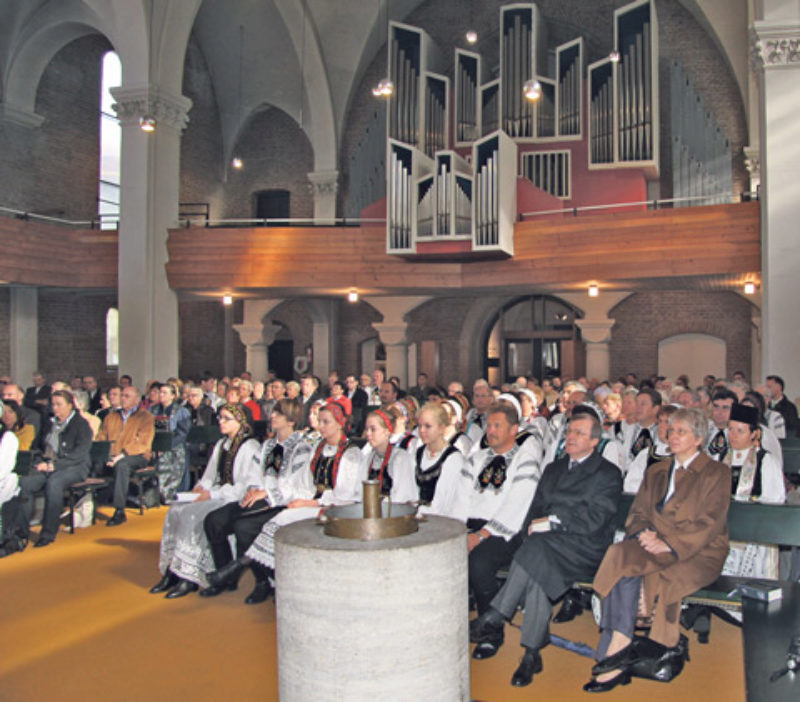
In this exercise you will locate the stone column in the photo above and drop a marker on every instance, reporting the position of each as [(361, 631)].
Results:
[(596, 334), (392, 331), (324, 186), (257, 339), (23, 336), (776, 51), (149, 194), (394, 339)]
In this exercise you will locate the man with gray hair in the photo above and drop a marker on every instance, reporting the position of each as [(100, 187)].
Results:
[(476, 418)]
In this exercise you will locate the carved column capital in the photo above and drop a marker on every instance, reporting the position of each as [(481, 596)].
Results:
[(774, 45), (169, 110), (250, 334), (391, 334), (752, 161), (324, 182), (595, 331)]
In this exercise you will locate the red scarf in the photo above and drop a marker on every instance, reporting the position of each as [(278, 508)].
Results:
[(340, 449)]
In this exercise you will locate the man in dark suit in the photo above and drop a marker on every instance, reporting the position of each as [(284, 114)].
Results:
[(569, 525), (780, 403), (358, 402), (65, 460), (309, 392), (38, 395), (420, 391), (94, 391)]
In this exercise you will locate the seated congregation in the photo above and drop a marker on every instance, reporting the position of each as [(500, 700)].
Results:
[(535, 472)]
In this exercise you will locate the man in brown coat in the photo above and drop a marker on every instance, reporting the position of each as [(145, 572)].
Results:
[(677, 542), (130, 431)]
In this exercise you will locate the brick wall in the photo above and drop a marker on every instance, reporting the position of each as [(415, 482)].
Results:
[(644, 319), (54, 169), (5, 348), (201, 144), (72, 334), (441, 320)]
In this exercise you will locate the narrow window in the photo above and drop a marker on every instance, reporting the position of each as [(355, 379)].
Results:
[(110, 138), (112, 337)]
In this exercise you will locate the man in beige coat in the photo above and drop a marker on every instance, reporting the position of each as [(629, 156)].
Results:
[(130, 430)]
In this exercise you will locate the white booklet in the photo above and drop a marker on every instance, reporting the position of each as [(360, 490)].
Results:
[(186, 496)]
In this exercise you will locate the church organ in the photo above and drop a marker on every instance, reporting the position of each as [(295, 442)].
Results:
[(439, 191)]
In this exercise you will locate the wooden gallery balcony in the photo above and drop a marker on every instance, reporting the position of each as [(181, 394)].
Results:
[(628, 250), (722, 242)]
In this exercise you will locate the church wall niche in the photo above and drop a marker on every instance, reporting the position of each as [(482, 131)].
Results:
[(645, 318), (355, 327), (276, 155)]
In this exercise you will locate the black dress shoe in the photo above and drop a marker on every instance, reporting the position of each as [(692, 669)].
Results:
[(215, 590), (43, 541), (530, 664), (570, 608), (623, 678), (488, 628), (485, 650), (623, 658), (165, 583), (229, 572), (183, 587), (261, 592), (117, 518)]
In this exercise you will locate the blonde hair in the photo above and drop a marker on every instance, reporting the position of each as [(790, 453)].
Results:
[(438, 411)]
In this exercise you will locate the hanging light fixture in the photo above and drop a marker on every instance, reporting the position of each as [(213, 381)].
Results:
[(472, 35), (236, 161), (147, 123), (385, 87), (532, 90)]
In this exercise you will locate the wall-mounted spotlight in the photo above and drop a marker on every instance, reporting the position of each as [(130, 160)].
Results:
[(749, 287), (472, 36), (352, 295), (237, 163), (614, 57), (227, 300), (147, 123), (594, 291), (384, 88)]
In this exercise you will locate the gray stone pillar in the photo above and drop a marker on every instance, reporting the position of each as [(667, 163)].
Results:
[(23, 336), (149, 194), (776, 51), (372, 620)]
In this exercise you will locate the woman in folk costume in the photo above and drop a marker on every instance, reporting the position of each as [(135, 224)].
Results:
[(334, 476), (657, 451), (386, 462), (755, 476), (442, 474), (452, 432), (234, 465), (173, 418), (676, 542)]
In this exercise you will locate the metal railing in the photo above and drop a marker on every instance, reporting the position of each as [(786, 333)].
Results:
[(655, 204)]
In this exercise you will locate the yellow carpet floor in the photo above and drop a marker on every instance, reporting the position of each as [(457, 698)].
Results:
[(77, 622)]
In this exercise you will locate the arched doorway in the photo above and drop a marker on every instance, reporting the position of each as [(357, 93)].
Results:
[(534, 336)]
